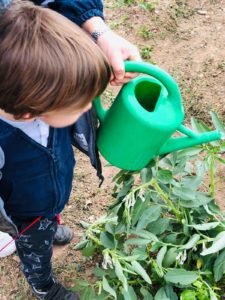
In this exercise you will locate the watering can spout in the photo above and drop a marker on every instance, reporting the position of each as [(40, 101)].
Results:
[(190, 139)]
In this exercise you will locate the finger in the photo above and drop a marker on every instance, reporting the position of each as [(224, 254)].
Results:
[(134, 55), (120, 82), (117, 64), (131, 75)]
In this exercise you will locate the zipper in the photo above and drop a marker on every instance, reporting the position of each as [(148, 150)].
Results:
[(49, 148)]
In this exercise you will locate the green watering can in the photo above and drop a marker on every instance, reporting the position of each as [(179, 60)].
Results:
[(142, 119)]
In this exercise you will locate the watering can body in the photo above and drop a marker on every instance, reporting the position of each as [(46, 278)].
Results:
[(142, 119)]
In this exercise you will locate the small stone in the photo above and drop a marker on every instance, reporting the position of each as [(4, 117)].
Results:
[(202, 12)]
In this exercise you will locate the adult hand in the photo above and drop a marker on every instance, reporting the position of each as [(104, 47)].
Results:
[(118, 49)]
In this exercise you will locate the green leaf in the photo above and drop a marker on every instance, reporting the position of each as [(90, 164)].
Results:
[(81, 245), (103, 296), (87, 293), (141, 271), (219, 266), (192, 242), (217, 123), (138, 242), (161, 295), (85, 224), (184, 193), (107, 240), (146, 175), (160, 257), (181, 276), (159, 226), (191, 182), (120, 274), (151, 214), (80, 284), (217, 245), (205, 226), (170, 292), (130, 258), (107, 288), (140, 252), (99, 272), (130, 294), (138, 210), (145, 234), (88, 251), (165, 176), (200, 200), (146, 295), (170, 257), (198, 126), (171, 238), (188, 295)]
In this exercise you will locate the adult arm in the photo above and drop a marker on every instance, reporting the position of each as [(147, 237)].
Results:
[(89, 15), (116, 48), (4, 4), (75, 10)]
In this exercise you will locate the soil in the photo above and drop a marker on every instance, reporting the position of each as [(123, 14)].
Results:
[(185, 38)]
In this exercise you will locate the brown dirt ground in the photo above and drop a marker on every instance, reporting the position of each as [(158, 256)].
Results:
[(186, 38)]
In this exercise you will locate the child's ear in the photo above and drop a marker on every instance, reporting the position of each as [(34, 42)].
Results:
[(27, 116)]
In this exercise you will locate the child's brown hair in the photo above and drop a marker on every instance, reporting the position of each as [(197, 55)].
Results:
[(47, 63)]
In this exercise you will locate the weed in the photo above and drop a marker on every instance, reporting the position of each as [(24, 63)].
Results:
[(221, 66), (145, 33), (148, 6), (146, 52), (108, 97)]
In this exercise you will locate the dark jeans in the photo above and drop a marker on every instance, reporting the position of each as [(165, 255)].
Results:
[(34, 248)]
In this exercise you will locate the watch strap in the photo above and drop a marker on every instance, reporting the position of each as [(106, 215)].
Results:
[(97, 33)]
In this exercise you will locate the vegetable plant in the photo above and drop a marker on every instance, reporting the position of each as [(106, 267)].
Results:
[(163, 237)]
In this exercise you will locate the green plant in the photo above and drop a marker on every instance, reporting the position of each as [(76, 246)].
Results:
[(164, 236), (146, 52), (145, 32), (221, 66), (148, 6)]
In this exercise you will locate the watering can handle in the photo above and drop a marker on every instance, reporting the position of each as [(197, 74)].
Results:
[(149, 69)]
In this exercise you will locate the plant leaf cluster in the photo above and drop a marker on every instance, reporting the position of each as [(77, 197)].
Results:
[(164, 236)]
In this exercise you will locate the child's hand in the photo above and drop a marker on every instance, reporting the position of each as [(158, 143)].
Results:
[(117, 49)]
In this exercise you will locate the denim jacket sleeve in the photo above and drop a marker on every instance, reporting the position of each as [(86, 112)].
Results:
[(4, 4), (75, 10), (6, 224)]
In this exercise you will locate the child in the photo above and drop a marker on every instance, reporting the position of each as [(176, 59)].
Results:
[(50, 71)]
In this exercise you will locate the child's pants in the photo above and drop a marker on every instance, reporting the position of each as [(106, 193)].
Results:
[(34, 248)]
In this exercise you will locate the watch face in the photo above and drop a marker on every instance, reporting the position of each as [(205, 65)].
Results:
[(97, 33)]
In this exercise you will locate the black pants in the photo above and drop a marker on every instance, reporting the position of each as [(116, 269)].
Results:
[(34, 248)]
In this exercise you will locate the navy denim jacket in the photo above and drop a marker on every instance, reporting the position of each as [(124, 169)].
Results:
[(36, 180), (75, 10), (21, 194)]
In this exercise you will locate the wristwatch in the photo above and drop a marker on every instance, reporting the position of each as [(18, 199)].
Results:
[(97, 33)]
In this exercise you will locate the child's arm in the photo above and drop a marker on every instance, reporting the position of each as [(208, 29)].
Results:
[(6, 225)]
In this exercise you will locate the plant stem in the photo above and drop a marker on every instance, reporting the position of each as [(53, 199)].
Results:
[(166, 199)]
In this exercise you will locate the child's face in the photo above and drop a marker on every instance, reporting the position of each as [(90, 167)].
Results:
[(63, 118)]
